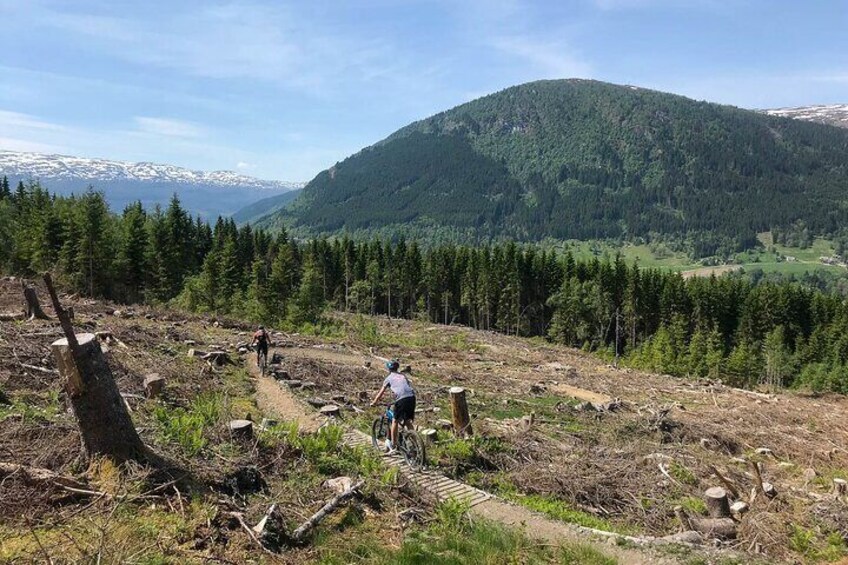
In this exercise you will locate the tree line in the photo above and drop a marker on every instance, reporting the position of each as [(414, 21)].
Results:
[(779, 334)]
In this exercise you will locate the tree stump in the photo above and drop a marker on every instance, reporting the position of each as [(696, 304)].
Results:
[(105, 425), (429, 436), (34, 310), (717, 503), (739, 508), (241, 429), (840, 487), (444, 424), (154, 385), (330, 410), (459, 412)]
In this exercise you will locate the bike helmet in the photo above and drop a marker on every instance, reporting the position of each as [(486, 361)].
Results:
[(393, 365)]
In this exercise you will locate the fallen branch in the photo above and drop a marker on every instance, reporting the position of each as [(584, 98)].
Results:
[(325, 511), (240, 517), (39, 369), (40, 475), (665, 472)]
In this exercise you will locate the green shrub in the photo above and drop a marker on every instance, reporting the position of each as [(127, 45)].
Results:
[(186, 427)]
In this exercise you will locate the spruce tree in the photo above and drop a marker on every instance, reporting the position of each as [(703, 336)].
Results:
[(308, 303)]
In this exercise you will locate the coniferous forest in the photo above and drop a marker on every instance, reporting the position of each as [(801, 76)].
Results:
[(779, 334)]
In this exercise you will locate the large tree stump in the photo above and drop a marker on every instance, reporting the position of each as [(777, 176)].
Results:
[(33, 310), (459, 412), (717, 503), (105, 425)]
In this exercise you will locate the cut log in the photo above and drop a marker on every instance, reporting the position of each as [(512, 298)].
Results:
[(429, 436), (293, 383), (330, 410), (33, 306), (722, 528), (105, 424), (459, 412), (154, 385), (38, 475), (241, 429), (301, 532), (316, 402), (717, 503), (840, 487)]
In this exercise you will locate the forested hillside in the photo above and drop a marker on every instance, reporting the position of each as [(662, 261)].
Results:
[(255, 211), (783, 334), (584, 159)]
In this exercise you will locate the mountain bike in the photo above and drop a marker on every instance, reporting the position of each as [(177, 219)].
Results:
[(262, 360), (410, 444)]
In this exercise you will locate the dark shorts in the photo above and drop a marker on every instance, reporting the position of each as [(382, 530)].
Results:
[(405, 409)]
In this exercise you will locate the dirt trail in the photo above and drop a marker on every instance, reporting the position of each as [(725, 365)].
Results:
[(280, 402)]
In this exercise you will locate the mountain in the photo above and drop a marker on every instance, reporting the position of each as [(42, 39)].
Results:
[(261, 208), (585, 159), (206, 193), (831, 114)]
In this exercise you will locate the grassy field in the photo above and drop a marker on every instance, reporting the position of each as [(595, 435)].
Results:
[(769, 258)]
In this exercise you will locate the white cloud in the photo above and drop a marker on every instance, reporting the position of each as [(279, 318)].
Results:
[(18, 121), (232, 41), (242, 166), (25, 146), (551, 59), (169, 127)]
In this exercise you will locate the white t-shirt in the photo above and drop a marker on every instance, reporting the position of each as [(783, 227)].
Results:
[(400, 385)]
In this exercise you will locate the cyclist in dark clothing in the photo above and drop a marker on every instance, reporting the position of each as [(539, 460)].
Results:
[(261, 340)]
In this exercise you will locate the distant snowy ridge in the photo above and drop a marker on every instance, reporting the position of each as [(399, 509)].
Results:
[(63, 167), (831, 114)]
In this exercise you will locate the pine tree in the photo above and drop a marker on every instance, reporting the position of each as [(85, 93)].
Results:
[(94, 249), (132, 256), (5, 192), (778, 361), (308, 303)]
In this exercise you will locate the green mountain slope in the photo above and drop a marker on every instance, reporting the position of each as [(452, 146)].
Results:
[(585, 159), (255, 211)]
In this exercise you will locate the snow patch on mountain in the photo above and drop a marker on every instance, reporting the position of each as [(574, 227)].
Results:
[(831, 114), (63, 167)]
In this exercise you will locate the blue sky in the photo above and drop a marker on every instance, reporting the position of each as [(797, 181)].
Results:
[(285, 89)]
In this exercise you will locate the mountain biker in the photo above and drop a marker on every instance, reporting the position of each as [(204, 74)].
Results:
[(404, 410), (261, 339)]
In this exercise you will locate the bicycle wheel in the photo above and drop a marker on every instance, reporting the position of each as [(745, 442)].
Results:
[(379, 432), (413, 449)]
